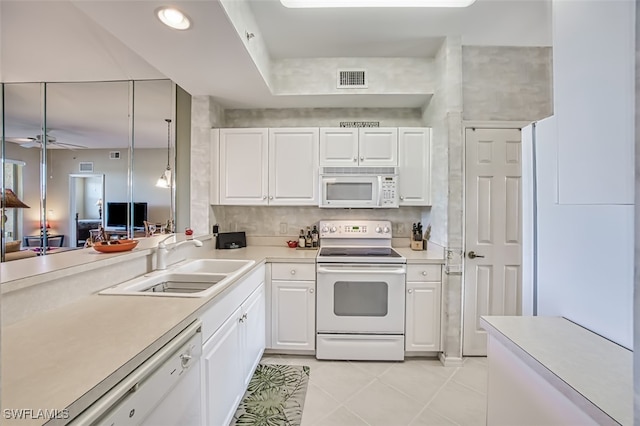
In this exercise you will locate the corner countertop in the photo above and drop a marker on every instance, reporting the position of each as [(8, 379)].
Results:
[(598, 372), (68, 357)]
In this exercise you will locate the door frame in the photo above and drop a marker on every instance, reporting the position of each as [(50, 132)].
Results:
[(475, 124), (72, 201)]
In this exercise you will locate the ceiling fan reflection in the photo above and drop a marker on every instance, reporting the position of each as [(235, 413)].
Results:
[(52, 142)]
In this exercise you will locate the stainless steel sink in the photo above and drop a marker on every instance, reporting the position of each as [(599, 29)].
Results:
[(184, 283), (195, 278)]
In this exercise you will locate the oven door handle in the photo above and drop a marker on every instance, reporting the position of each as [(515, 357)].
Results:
[(394, 271)]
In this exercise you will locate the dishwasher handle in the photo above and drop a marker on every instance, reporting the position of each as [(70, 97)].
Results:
[(130, 383)]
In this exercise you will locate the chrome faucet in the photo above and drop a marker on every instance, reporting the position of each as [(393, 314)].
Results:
[(162, 252)]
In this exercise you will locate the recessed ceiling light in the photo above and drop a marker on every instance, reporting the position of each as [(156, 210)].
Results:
[(376, 3), (173, 18)]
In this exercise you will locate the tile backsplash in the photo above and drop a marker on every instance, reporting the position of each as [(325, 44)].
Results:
[(260, 221)]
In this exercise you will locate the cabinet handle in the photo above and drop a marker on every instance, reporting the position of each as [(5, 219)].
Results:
[(355, 160), (264, 197), (310, 290), (293, 272), (271, 197), (401, 197), (410, 291), (361, 158), (241, 319), (244, 316), (424, 273)]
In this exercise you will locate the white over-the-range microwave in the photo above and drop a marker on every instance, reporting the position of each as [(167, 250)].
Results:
[(359, 187)]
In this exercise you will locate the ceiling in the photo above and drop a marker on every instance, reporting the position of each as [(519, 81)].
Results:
[(107, 40), (120, 40)]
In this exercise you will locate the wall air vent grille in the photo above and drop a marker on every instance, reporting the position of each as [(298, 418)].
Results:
[(352, 79), (86, 166), (114, 155)]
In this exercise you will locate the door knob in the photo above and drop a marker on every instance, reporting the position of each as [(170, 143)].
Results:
[(473, 255)]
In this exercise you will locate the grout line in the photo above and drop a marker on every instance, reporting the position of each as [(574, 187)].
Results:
[(469, 387)]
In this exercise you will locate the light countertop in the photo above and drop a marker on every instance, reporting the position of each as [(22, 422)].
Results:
[(564, 353), (68, 357)]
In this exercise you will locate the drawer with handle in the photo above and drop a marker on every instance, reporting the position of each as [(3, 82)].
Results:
[(293, 271), (424, 273)]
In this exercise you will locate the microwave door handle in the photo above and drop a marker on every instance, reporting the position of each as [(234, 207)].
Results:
[(379, 191)]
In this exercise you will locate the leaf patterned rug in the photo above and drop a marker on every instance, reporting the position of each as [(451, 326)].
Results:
[(275, 396)]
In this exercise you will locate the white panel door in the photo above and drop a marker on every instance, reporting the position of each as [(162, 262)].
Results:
[(253, 332), (423, 316), (244, 166), (414, 166), (293, 166), (338, 147), (293, 315), (493, 231), (378, 147), (222, 372)]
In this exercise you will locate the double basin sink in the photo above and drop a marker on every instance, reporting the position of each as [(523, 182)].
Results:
[(191, 278)]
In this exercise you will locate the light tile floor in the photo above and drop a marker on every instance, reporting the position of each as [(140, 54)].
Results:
[(415, 392)]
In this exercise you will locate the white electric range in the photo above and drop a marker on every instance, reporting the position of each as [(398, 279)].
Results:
[(360, 301)]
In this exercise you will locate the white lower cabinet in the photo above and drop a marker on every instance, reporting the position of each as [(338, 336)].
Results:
[(231, 354), (223, 372), (252, 333), (293, 307), (423, 301)]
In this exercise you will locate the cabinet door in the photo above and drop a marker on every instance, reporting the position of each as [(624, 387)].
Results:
[(423, 316), (222, 372), (243, 166), (338, 147), (414, 166), (293, 166), (253, 331), (293, 314), (378, 147)]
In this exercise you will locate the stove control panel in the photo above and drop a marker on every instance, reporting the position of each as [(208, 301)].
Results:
[(355, 229)]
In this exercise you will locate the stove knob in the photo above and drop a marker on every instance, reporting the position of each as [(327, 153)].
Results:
[(334, 229), (378, 230), (325, 229), (386, 229)]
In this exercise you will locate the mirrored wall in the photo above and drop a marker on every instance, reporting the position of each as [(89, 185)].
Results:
[(82, 155)]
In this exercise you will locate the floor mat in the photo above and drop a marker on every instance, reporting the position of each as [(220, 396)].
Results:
[(275, 396)]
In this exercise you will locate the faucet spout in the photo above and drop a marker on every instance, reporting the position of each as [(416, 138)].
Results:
[(162, 252)]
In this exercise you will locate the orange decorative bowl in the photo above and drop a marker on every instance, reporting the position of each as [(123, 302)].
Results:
[(115, 246)]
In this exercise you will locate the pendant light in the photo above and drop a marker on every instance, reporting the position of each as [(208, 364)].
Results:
[(165, 178)]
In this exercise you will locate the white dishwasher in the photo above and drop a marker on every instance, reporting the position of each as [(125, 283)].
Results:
[(164, 390)]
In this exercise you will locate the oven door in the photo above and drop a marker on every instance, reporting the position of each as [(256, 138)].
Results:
[(350, 191), (360, 298)]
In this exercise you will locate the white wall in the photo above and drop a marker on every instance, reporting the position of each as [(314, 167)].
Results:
[(585, 254)]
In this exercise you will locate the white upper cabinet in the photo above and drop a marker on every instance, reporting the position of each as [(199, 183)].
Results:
[(267, 167), (378, 146), (293, 166), (338, 147), (414, 166), (244, 165), (593, 97), (352, 147)]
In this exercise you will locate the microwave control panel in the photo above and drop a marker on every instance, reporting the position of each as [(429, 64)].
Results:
[(389, 190)]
